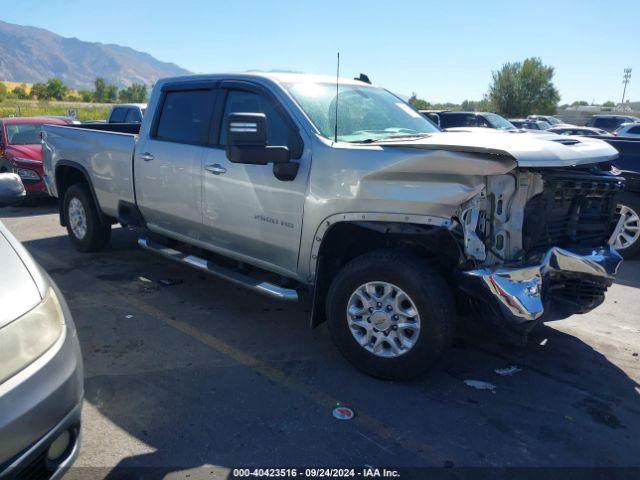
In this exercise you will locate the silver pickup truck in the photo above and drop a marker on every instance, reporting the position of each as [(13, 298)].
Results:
[(353, 202)]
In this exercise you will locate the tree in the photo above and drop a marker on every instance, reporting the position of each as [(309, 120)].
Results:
[(522, 88), (99, 94), (86, 95), (56, 89), (20, 92), (418, 103), (483, 105), (39, 91), (136, 93), (580, 103), (3, 91), (111, 93), (608, 103)]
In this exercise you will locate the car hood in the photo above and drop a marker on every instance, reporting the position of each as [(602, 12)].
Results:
[(22, 285), (527, 149), (31, 152)]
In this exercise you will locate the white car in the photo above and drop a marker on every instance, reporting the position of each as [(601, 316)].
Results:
[(627, 130)]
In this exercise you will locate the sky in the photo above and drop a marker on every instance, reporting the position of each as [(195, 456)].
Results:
[(443, 51)]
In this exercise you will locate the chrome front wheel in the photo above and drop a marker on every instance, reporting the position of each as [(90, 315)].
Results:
[(383, 319)]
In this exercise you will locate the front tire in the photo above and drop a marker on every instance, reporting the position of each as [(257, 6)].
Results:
[(627, 240), (391, 315), (87, 231)]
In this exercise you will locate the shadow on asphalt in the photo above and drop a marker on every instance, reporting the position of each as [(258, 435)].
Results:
[(31, 208), (197, 406)]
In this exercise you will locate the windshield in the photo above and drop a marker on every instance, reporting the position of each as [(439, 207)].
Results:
[(498, 122), (23, 133), (365, 114)]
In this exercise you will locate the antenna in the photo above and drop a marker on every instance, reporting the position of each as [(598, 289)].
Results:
[(335, 133)]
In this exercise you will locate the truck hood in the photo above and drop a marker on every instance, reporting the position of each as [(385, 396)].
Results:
[(20, 279), (528, 150), (31, 152)]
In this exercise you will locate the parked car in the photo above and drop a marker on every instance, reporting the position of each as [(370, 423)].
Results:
[(550, 119), (529, 124), (626, 237), (610, 122), (21, 150), (380, 222), (41, 380), (446, 119), (583, 131), (627, 130), (127, 113)]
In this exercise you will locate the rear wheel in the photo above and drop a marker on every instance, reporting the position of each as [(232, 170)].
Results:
[(390, 315), (627, 239), (84, 226)]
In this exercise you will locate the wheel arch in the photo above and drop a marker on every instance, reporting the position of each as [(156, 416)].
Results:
[(343, 237), (68, 173)]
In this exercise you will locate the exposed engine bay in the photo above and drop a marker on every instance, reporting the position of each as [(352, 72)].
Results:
[(538, 238)]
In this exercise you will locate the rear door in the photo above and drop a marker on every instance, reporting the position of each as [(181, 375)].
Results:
[(247, 211), (169, 160)]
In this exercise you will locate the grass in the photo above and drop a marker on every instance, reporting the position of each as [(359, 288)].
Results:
[(31, 108)]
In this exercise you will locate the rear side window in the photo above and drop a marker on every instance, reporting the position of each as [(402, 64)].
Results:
[(133, 116), (185, 116), (118, 115), (634, 130), (457, 120), (238, 101)]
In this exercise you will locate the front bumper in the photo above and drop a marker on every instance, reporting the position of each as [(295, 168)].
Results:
[(517, 296), (39, 403)]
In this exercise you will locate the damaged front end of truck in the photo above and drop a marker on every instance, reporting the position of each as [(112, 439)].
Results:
[(536, 242)]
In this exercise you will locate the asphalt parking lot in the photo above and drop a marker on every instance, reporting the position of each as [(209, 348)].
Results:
[(202, 373)]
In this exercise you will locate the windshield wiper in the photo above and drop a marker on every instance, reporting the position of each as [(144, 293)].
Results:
[(390, 138), (402, 137)]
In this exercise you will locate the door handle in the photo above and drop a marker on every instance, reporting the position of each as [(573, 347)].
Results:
[(146, 156), (216, 169)]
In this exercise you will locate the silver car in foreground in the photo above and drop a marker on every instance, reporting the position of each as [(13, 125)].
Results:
[(41, 380)]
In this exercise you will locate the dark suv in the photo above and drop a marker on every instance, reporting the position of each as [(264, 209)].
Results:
[(446, 119), (610, 122)]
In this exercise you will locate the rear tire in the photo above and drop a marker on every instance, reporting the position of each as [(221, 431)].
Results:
[(627, 242), (390, 314), (87, 231)]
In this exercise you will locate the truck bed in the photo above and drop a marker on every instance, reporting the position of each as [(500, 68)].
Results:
[(103, 151)]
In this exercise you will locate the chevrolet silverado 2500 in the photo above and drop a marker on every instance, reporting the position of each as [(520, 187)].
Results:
[(381, 221)]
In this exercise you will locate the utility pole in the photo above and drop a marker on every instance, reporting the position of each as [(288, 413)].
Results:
[(625, 81)]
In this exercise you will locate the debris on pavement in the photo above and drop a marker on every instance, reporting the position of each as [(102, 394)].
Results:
[(480, 385), (508, 371), (569, 418), (343, 413), (167, 282), (144, 280), (128, 316), (543, 342)]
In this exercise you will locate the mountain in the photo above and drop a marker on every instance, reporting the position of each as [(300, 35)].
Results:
[(29, 54)]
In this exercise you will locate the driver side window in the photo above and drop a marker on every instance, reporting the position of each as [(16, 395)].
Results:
[(239, 101)]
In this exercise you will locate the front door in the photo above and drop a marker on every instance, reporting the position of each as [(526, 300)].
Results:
[(246, 209)]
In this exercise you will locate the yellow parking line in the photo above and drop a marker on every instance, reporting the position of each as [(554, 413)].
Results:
[(362, 420)]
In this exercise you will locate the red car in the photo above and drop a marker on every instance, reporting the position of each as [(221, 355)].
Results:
[(21, 150)]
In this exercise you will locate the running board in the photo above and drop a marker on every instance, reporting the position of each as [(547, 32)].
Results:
[(207, 266)]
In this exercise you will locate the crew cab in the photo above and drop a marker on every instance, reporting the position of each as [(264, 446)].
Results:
[(355, 203), (127, 113)]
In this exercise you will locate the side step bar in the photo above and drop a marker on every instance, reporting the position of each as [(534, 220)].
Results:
[(265, 288)]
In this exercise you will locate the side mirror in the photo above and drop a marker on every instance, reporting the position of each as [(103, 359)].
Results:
[(247, 141), (11, 189)]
